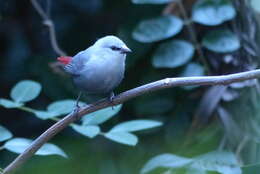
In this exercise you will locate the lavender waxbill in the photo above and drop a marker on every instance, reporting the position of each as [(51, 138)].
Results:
[(100, 68)]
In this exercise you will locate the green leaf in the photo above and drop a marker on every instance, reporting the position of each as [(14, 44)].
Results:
[(9, 103), (62, 107), (157, 29), (165, 161), (1, 170), (25, 91), (101, 116), (221, 41), (45, 114), (135, 125), (122, 137), (19, 145), (173, 54), (192, 69), (255, 4), (5, 134), (89, 131), (152, 1), (219, 161), (213, 12)]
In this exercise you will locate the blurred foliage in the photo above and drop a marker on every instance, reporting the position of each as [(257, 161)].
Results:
[(169, 38)]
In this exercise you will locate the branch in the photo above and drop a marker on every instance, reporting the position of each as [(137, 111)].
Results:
[(48, 22), (123, 97)]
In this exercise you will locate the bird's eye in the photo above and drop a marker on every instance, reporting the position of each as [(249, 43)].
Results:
[(114, 48)]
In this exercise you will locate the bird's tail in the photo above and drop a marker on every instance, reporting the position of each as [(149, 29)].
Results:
[(64, 59)]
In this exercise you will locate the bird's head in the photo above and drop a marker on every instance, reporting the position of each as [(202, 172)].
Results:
[(113, 44)]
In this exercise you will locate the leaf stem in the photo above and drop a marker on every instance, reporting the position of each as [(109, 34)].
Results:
[(192, 32)]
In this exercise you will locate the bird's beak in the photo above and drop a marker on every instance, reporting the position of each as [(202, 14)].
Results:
[(125, 50)]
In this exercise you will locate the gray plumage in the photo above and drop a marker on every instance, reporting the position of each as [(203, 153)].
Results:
[(100, 68)]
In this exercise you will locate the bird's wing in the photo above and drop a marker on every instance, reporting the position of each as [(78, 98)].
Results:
[(77, 63)]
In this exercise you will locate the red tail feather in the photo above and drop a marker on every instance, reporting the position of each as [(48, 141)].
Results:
[(64, 59)]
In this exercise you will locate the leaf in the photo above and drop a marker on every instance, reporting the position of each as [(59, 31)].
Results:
[(122, 137), (101, 116), (213, 12), (62, 107), (9, 103), (221, 41), (135, 125), (152, 1), (219, 161), (255, 4), (44, 114), (25, 91), (166, 161), (192, 69), (89, 131), (173, 54), (19, 145), (157, 29), (5, 134)]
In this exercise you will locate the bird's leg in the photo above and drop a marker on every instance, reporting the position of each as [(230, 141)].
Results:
[(77, 107), (111, 98)]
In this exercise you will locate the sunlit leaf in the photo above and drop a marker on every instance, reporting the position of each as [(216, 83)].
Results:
[(157, 29), (220, 161), (256, 5), (221, 41), (122, 137), (101, 116), (5, 134), (173, 54), (90, 131), (45, 114), (213, 12), (192, 69), (165, 160), (18, 145), (25, 91), (62, 107), (135, 125), (9, 103), (152, 1)]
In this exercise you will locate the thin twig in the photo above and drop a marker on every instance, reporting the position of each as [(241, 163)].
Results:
[(49, 23), (192, 33), (121, 98)]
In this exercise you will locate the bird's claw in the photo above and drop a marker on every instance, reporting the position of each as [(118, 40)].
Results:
[(111, 99), (76, 109)]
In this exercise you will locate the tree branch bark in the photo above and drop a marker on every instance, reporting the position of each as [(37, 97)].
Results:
[(121, 98)]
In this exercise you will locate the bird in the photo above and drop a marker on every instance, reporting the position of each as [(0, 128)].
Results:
[(98, 69)]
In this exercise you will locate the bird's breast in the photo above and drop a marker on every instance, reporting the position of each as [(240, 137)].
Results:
[(101, 76)]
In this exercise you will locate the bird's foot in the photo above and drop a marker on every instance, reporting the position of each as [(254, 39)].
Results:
[(111, 98), (76, 109)]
